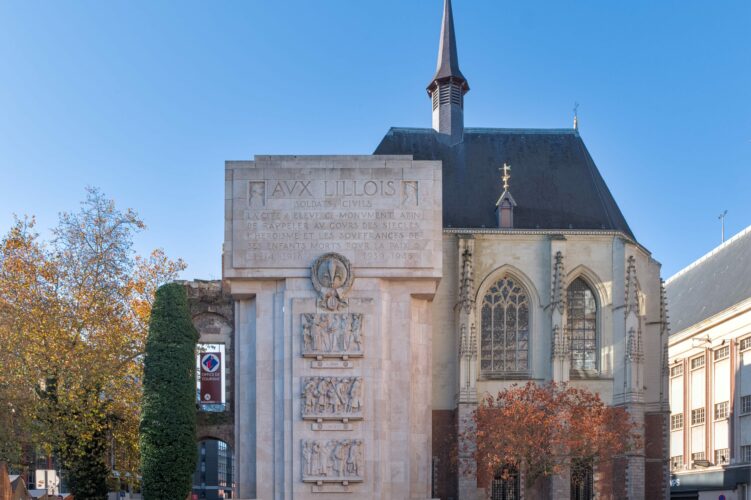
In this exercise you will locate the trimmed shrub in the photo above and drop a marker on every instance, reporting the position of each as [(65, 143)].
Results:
[(168, 419)]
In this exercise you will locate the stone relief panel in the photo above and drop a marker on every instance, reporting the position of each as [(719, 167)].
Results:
[(332, 335), (257, 194), (337, 460), (410, 193), (332, 398)]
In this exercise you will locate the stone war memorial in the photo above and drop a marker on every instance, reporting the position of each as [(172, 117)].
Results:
[(369, 303), (331, 263)]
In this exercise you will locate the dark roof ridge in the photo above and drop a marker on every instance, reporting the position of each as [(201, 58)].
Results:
[(492, 130)]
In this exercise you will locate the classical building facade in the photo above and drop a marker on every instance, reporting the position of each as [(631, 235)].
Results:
[(710, 374), (373, 296)]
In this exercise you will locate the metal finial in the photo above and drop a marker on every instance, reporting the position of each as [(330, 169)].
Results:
[(506, 176), (722, 219), (576, 116)]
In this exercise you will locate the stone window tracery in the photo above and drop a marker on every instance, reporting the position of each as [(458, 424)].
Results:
[(581, 316), (505, 328)]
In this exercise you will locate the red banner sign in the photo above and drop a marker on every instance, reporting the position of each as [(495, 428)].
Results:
[(211, 378)]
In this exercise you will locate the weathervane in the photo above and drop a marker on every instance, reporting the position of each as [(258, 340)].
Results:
[(506, 175)]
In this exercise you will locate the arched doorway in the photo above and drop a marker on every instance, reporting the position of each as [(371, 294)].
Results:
[(214, 477), (506, 484)]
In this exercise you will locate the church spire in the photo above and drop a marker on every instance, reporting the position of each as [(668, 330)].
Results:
[(449, 85)]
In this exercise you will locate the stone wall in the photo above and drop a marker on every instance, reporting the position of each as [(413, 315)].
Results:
[(213, 316), (333, 263)]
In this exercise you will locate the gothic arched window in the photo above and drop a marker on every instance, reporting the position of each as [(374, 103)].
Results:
[(581, 312), (505, 328), (582, 479)]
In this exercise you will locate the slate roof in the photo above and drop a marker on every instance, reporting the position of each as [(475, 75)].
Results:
[(712, 284), (554, 180)]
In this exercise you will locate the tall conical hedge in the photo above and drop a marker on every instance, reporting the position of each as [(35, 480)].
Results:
[(168, 420)]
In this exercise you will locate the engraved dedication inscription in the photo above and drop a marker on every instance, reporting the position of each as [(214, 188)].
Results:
[(282, 217)]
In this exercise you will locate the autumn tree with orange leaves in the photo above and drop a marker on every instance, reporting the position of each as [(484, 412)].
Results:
[(541, 429), (74, 314)]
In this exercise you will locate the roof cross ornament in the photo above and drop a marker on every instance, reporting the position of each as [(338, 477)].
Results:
[(505, 204), (506, 175)]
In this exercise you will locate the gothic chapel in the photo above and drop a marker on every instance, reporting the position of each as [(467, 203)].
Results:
[(551, 244), (539, 278)]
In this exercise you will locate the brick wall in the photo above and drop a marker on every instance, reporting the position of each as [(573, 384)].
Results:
[(444, 454), (656, 450)]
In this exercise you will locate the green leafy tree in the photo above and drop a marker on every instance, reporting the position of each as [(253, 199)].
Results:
[(73, 322), (168, 422)]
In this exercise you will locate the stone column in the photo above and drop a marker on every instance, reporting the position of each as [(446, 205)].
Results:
[(633, 382), (468, 361), (560, 352)]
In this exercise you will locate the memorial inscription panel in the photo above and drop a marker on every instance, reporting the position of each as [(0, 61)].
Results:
[(291, 216)]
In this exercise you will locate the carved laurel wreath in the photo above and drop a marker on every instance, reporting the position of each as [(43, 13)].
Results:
[(332, 271)]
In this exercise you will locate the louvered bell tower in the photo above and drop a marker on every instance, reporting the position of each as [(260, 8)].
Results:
[(449, 85)]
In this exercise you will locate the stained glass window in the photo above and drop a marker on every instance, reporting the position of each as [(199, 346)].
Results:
[(505, 328), (582, 325)]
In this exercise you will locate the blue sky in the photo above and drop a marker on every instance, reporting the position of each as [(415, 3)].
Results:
[(147, 99)]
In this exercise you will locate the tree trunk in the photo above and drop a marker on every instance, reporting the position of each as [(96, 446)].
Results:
[(6, 492)]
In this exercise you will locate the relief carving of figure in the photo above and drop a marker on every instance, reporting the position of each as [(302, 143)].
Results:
[(256, 194), (357, 331), (339, 456), (354, 459), (318, 328), (307, 337), (331, 335), (307, 454), (353, 402), (309, 395), (317, 466), (321, 393), (334, 402), (346, 339), (409, 193)]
